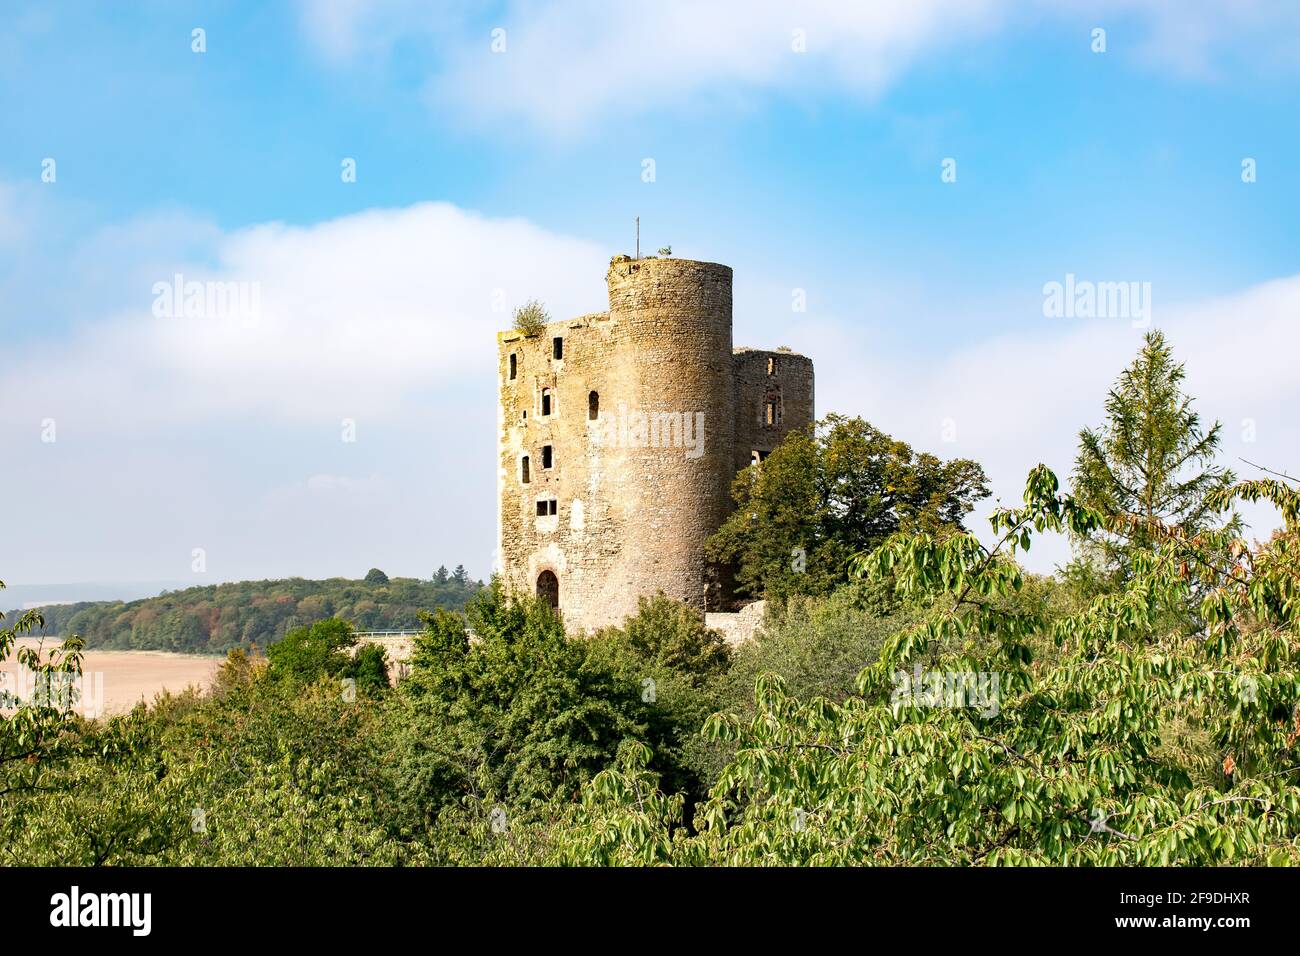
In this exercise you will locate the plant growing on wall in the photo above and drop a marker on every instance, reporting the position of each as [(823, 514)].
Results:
[(531, 318)]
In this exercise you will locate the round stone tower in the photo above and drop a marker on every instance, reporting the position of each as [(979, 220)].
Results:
[(671, 472), (619, 434)]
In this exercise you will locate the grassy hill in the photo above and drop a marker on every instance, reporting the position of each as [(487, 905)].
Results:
[(216, 618)]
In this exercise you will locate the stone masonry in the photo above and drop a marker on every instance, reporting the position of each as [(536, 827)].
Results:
[(620, 433)]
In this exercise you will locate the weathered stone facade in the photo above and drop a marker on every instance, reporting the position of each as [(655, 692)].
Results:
[(620, 433)]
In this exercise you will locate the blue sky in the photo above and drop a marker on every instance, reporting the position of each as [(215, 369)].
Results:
[(521, 170)]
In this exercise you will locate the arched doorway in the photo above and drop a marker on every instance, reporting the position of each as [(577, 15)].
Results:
[(548, 588)]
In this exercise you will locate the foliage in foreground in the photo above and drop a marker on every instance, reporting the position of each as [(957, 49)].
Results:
[(941, 707), (1107, 738), (1111, 741)]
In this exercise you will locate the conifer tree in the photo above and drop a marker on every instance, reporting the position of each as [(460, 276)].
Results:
[(1150, 461)]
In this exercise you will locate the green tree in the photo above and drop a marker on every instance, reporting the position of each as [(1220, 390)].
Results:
[(1107, 738), (237, 671), (817, 645), (35, 729), (678, 664), (668, 635), (523, 714), (369, 668), (1150, 464), (308, 653), (825, 495), (328, 649), (375, 576), (112, 799)]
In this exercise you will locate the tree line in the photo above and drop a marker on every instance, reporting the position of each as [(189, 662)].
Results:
[(213, 619)]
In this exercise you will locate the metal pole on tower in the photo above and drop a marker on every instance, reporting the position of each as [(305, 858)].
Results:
[(638, 237)]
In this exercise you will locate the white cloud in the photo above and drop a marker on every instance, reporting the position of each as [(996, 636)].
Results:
[(1208, 41), (174, 433), (354, 314), (346, 31), (180, 433), (568, 65), (1017, 401)]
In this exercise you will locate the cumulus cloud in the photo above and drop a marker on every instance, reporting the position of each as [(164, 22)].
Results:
[(369, 363), (337, 319), (353, 423)]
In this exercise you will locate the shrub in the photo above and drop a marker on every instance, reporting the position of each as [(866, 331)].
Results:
[(531, 318)]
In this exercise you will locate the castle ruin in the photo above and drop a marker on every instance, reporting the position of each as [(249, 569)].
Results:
[(620, 433)]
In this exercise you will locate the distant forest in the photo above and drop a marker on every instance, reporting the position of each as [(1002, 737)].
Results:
[(216, 618)]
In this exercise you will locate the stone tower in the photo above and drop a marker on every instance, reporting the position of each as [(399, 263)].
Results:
[(619, 434)]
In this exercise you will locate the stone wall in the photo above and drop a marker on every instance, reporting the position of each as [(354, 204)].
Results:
[(737, 627), (780, 378), (631, 494), (397, 647)]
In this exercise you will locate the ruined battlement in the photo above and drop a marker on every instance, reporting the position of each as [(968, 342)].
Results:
[(619, 434)]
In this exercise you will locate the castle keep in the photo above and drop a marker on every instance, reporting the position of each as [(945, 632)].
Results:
[(620, 433)]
